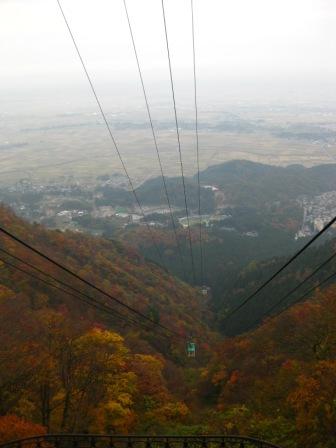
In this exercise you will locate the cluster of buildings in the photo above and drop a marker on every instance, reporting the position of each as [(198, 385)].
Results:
[(206, 220), (62, 205), (70, 205), (317, 212)]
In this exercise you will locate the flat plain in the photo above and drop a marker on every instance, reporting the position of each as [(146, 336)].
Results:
[(77, 145)]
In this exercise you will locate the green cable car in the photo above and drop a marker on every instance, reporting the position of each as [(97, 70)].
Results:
[(191, 349), (205, 290)]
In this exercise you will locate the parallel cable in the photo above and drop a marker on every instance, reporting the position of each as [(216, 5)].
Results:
[(109, 130), (197, 138), (308, 277), (154, 136), (294, 257), (86, 282), (307, 293), (305, 280), (91, 301), (178, 140), (88, 297), (55, 279)]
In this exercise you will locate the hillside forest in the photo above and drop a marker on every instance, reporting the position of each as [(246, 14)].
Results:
[(67, 366)]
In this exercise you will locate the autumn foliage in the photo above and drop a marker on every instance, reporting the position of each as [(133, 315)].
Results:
[(13, 427), (68, 368), (73, 376), (278, 382)]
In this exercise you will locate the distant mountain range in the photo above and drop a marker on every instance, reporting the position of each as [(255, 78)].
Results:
[(243, 182), (252, 183)]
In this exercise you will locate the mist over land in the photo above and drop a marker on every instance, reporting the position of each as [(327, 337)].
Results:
[(48, 133)]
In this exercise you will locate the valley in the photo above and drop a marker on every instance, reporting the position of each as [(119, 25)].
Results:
[(140, 380), (252, 214)]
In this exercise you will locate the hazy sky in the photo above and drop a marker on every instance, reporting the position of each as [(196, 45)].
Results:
[(255, 42)]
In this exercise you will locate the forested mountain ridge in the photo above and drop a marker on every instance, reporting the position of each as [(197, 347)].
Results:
[(115, 267), (244, 183), (263, 211), (250, 183), (151, 192), (243, 282)]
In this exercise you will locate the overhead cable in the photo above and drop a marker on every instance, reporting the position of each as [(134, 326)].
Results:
[(109, 130), (83, 280), (296, 288), (283, 267), (154, 137), (89, 300), (82, 297), (310, 291), (178, 141), (197, 140)]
